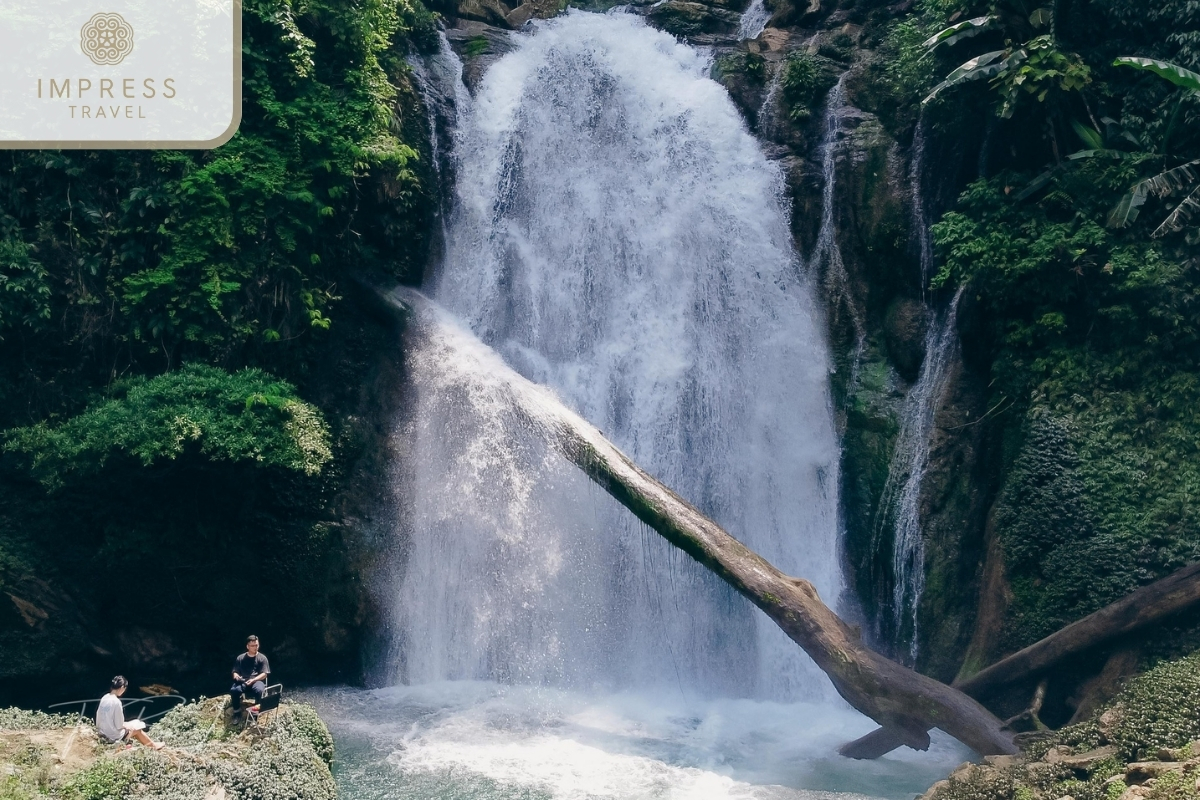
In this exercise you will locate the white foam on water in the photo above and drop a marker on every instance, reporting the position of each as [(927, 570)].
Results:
[(485, 740)]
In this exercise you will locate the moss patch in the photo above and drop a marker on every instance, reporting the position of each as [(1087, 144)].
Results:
[(48, 756)]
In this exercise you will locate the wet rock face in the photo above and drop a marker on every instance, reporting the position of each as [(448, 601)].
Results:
[(904, 325), (685, 18)]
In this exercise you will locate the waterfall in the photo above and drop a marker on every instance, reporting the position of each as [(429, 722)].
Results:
[(619, 237), (827, 255), (619, 245), (754, 20), (768, 113), (900, 500), (920, 219), (901, 496), (438, 77)]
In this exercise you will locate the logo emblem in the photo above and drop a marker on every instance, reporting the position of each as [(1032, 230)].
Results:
[(106, 39)]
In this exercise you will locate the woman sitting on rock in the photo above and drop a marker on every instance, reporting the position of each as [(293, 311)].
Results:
[(110, 718)]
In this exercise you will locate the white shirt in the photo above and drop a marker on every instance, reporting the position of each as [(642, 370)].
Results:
[(110, 717)]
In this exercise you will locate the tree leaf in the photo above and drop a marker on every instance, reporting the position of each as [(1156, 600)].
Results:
[(1042, 17), (1181, 216), (1091, 137), (956, 33), (1037, 183), (985, 66), (1127, 210), (1173, 180), (1164, 69)]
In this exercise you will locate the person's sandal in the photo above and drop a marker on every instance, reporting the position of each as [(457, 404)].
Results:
[(158, 745)]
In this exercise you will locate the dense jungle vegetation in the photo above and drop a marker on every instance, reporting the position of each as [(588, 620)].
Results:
[(1080, 242), (181, 359)]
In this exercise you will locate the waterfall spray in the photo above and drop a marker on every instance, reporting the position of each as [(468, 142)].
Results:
[(920, 218), (618, 236)]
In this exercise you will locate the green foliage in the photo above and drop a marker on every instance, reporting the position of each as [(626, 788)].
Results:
[(1174, 73), (800, 85), (108, 779), (303, 722), (752, 65), (1158, 709), (1043, 69), (477, 46), (289, 760), (1095, 331), (1038, 68), (243, 416), (19, 719), (24, 290), (214, 255)]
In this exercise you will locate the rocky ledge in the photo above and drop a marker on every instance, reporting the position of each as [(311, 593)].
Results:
[(1144, 746), (207, 757)]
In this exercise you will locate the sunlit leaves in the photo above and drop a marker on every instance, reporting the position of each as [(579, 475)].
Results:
[(243, 416)]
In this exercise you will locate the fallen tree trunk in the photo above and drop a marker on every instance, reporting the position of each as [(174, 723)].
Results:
[(1177, 592), (1149, 604), (892, 695)]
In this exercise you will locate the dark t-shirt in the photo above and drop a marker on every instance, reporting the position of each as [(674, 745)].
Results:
[(247, 665)]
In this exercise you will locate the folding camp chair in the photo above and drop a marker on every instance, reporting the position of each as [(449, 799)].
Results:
[(271, 698)]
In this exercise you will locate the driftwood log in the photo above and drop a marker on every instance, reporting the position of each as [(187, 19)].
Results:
[(894, 696), (1151, 603)]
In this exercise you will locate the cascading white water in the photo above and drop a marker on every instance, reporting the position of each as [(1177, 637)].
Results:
[(899, 503), (768, 113), (827, 255), (620, 237), (754, 20), (900, 500), (920, 219)]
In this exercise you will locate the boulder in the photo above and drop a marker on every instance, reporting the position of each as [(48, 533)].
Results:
[(685, 18), (1141, 772)]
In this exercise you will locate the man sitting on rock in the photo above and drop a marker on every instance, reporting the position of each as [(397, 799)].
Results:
[(250, 671), (110, 718)]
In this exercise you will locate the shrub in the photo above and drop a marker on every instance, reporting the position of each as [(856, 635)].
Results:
[(247, 415), (800, 84)]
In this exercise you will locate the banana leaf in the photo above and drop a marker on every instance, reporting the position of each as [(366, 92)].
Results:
[(1042, 17), (1090, 136), (1173, 180), (1164, 69), (1181, 216), (956, 33), (1128, 209), (987, 65)]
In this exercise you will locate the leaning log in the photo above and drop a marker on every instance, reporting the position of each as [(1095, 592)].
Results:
[(1152, 603), (892, 695), (1177, 592)]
